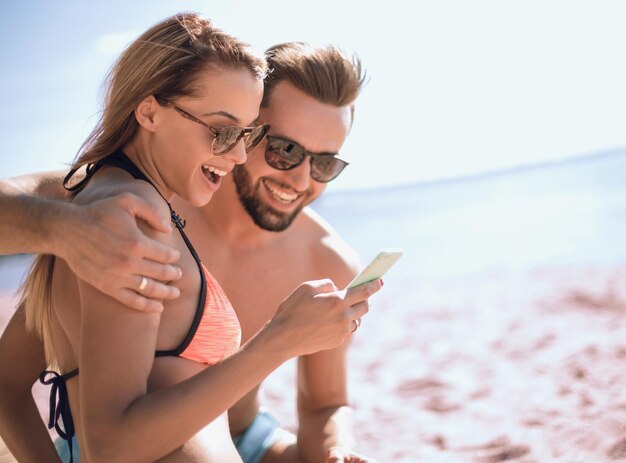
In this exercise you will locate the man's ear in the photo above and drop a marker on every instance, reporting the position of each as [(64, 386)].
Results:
[(145, 112)]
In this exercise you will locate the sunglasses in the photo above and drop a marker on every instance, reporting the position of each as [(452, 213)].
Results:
[(226, 138), (284, 154)]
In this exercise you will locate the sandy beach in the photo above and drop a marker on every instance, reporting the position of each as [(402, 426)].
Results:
[(523, 366)]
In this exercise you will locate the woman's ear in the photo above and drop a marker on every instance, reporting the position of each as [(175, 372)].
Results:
[(145, 112)]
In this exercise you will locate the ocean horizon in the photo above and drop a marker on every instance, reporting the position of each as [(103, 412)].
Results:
[(561, 213)]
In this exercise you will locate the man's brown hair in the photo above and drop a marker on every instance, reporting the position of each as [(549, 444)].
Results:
[(324, 73)]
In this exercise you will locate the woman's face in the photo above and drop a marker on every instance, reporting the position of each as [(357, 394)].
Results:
[(182, 148)]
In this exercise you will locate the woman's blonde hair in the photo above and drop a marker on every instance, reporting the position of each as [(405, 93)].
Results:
[(165, 60)]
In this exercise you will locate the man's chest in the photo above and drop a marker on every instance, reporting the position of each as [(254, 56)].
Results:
[(257, 282)]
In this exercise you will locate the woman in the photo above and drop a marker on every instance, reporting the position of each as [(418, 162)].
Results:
[(175, 121)]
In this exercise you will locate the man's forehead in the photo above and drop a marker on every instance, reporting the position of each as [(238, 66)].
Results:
[(292, 114)]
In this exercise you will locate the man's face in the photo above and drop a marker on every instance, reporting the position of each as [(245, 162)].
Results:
[(272, 197)]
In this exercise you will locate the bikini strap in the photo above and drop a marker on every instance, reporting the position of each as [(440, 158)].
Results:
[(60, 405), (90, 170), (118, 159)]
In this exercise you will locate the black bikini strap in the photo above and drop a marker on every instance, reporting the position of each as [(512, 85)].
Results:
[(120, 160), (91, 169), (60, 406)]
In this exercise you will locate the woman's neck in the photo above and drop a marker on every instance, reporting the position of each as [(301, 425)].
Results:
[(139, 153)]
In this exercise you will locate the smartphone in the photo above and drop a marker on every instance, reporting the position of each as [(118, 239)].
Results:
[(377, 267)]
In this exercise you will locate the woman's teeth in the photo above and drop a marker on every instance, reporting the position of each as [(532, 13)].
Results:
[(212, 173), (214, 170)]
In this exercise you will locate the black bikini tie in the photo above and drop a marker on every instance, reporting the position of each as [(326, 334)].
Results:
[(60, 406)]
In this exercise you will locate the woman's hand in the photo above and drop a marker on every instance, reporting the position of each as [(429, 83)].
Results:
[(317, 316)]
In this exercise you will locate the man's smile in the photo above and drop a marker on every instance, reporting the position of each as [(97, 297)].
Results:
[(280, 192)]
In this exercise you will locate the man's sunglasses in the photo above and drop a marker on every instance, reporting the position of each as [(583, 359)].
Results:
[(226, 138), (284, 154)]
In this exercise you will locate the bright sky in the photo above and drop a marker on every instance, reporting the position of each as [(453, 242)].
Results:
[(456, 87)]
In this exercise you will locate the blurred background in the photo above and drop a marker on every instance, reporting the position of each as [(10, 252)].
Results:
[(489, 143)]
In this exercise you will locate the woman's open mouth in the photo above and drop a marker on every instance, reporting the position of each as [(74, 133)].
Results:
[(213, 174)]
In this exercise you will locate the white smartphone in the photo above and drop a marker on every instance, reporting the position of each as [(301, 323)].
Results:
[(377, 267)]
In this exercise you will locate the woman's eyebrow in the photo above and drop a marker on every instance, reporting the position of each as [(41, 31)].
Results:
[(224, 114)]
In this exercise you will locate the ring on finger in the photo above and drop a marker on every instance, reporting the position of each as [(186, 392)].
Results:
[(143, 284), (356, 323)]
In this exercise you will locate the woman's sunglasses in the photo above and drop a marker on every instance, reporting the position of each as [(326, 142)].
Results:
[(226, 138), (284, 154)]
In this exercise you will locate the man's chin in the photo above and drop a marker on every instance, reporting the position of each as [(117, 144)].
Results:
[(260, 208), (272, 220)]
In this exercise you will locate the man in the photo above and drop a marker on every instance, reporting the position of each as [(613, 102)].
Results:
[(256, 237)]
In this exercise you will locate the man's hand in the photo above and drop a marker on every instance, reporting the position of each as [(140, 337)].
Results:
[(103, 245), (339, 455)]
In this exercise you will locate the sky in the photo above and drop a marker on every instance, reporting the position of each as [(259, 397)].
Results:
[(454, 88)]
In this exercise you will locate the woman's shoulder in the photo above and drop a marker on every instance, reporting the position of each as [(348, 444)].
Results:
[(110, 182), (113, 182)]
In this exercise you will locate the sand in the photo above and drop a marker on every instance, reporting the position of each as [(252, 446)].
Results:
[(517, 366), (523, 366)]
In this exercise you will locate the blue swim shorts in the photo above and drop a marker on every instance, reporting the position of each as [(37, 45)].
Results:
[(63, 449), (258, 438)]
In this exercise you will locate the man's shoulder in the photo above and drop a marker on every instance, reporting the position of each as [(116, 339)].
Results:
[(331, 255)]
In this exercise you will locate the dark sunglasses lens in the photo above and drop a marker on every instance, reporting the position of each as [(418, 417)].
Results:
[(256, 136), (283, 155), (226, 140), (325, 168)]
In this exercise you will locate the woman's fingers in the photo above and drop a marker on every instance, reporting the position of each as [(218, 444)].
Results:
[(358, 310), (362, 292), (325, 285)]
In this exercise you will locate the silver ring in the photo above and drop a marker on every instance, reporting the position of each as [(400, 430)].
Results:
[(357, 323), (144, 283)]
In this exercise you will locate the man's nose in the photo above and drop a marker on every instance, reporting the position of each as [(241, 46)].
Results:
[(300, 177)]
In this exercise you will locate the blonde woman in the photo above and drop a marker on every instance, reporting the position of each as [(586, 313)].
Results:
[(181, 111)]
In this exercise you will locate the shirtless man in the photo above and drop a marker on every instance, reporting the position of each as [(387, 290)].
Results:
[(256, 237)]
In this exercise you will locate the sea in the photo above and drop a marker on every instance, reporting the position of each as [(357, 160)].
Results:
[(560, 214)]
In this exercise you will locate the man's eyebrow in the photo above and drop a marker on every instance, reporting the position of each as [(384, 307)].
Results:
[(289, 140), (278, 135), (224, 114)]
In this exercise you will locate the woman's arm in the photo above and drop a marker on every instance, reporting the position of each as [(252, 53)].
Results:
[(106, 249), (120, 419), (21, 361)]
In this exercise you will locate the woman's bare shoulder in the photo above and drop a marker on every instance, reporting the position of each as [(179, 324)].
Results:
[(111, 181)]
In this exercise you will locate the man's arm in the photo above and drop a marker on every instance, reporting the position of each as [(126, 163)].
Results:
[(100, 242), (27, 206), (21, 360), (325, 419), (325, 431)]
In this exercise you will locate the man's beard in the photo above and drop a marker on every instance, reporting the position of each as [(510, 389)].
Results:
[(264, 216)]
